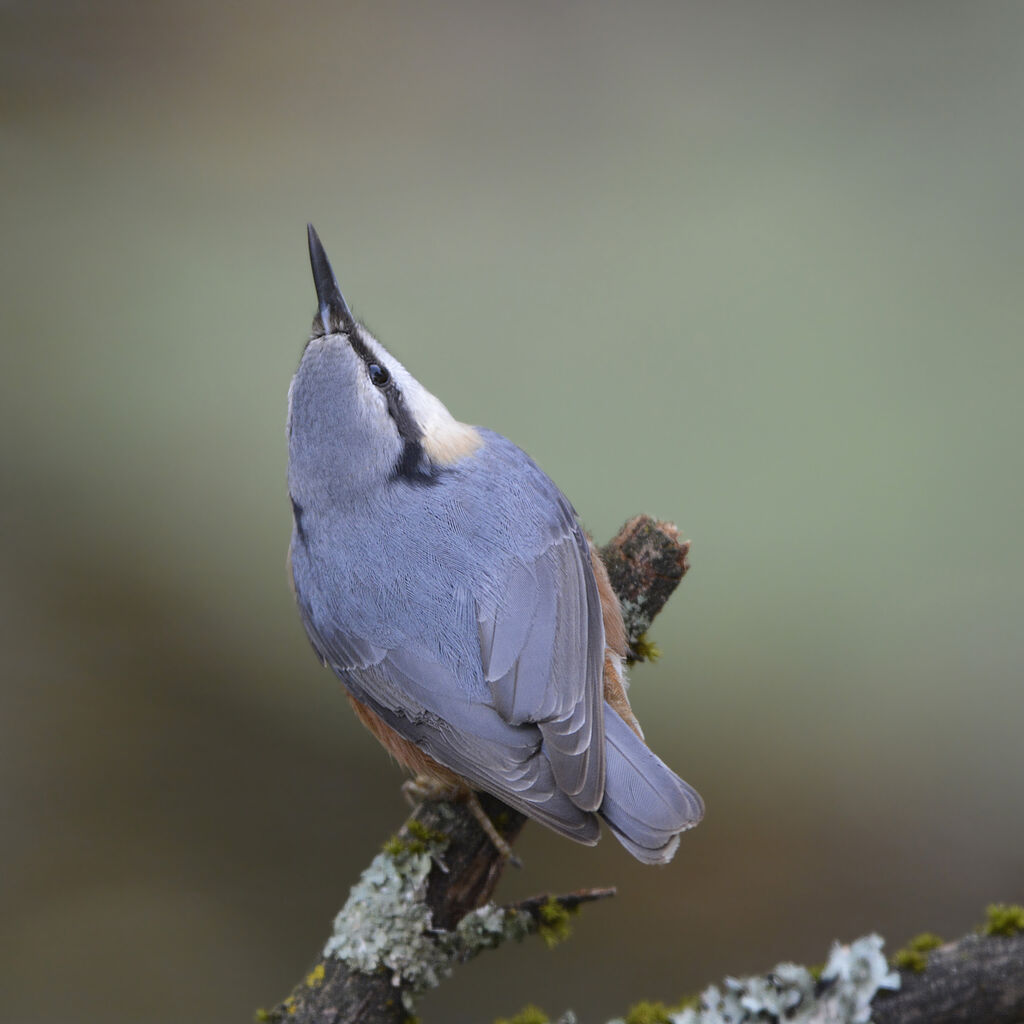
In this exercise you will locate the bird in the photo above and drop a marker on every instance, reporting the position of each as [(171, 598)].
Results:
[(447, 582)]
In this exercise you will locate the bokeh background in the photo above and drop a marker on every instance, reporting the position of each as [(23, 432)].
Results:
[(753, 267)]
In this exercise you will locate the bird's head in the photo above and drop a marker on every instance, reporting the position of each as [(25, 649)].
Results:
[(357, 419)]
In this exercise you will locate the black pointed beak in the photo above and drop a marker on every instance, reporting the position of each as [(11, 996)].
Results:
[(334, 312)]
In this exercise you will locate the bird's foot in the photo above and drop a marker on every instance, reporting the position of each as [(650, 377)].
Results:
[(490, 830), (424, 787)]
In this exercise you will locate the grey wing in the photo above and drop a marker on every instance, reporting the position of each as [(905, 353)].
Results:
[(472, 740), (542, 645), (531, 732)]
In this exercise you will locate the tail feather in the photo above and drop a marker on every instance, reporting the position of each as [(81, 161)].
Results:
[(646, 805)]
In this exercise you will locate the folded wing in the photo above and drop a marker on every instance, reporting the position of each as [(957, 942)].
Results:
[(529, 728)]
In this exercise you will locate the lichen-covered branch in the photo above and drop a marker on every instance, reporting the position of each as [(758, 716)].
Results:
[(840, 994), (645, 562), (422, 906), (977, 980)]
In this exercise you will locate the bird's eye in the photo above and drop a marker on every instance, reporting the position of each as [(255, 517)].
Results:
[(378, 375)]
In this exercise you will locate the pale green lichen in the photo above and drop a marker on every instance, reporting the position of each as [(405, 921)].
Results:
[(485, 928), (852, 977), (635, 615), (386, 923)]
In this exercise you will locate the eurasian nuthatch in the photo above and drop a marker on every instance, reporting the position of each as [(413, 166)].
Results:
[(445, 580)]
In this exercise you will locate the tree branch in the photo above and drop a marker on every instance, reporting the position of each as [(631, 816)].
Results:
[(645, 562), (977, 980), (421, 907)]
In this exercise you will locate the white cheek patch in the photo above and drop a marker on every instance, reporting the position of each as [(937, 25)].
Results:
[(445, 440)]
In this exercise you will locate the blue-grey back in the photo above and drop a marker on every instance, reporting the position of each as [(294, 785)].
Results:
[(403, 567)]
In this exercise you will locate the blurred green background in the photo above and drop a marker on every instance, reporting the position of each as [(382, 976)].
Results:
[(753, 267)]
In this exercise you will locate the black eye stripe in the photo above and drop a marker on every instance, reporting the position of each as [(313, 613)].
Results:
[(410, 463), (379, 374), (358, 345)]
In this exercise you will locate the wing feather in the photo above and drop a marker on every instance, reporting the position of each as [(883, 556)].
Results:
[(543, 659), (475, 743)]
